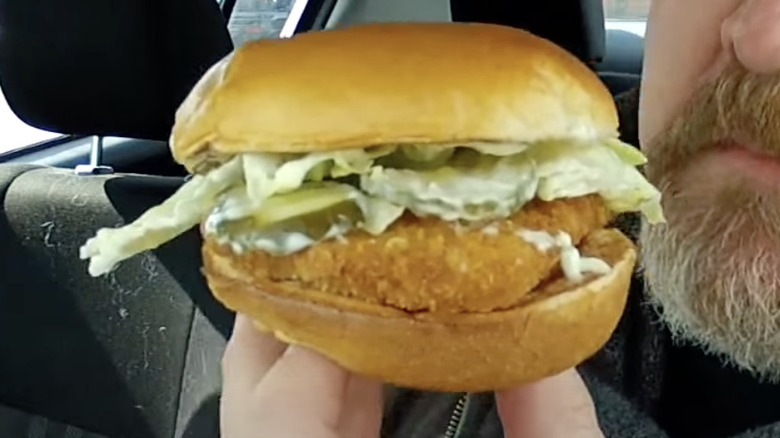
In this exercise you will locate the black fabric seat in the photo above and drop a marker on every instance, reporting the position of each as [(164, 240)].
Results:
[(132, 354), (111, 68), (16, 423), (619, 82), (576, 25), (126, 355)]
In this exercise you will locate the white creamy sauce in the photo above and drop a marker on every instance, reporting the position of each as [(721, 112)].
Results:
[(493, 185), (276, 239), (463, 194), (233, 205), (491, 229), (280, 242), (573, 264)]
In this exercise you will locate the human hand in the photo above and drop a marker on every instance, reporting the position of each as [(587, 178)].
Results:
[(274, 390), (270, 389), (556, 407)]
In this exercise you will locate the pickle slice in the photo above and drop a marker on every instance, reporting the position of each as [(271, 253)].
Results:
[(468, 159), (417, 157), (427, 154), (318, 224), (312, 210), (320, 171)]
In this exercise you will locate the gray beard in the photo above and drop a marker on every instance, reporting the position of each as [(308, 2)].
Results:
[(714, 276)]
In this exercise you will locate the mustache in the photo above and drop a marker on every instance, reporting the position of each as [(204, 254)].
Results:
[(736, 107)]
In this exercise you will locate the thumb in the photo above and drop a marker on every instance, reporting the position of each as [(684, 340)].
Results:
[(555, 407)]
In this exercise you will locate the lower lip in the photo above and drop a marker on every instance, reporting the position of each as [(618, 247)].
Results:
[(738, 160)]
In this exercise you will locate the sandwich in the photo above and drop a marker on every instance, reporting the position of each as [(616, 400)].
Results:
[(428, 204)]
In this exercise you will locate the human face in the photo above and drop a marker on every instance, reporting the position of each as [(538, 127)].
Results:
[(710, 125)]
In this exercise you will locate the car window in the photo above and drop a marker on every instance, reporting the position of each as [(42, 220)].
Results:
[(635, 10), (259, 19), (16, 134), (627, 15), (250, 20)]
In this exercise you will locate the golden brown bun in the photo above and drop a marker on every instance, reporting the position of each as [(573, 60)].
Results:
[(557, 326), (426, 264), (389, 84)]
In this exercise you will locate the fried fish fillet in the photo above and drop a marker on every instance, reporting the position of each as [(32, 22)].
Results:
[(425, 264)]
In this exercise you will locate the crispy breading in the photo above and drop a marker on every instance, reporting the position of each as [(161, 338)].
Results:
[(425, 264)]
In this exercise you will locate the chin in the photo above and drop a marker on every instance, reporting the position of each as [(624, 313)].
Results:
[(713, 270)]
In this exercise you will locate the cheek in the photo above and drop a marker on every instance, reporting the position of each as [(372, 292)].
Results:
[(682, 50), (754, 34)]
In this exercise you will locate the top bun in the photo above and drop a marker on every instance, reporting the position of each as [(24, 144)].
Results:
[(390, 84)]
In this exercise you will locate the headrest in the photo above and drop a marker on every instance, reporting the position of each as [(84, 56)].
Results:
[(575, 25), (98, 67)]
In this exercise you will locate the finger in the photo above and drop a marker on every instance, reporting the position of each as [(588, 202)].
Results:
[(303, 381), (248, 356), (361, 415), (556, 407)]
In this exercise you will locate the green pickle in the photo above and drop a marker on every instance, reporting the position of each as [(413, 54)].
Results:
[(427, 154), (320, 171), (470, 159), (417, 158), (312, 210)]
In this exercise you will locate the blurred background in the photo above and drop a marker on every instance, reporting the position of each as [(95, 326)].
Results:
[(256, 19)]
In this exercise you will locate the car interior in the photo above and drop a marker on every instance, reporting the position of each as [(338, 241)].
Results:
[(137, 353)]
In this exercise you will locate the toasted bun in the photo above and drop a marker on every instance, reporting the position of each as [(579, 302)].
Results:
[(557, 326), (391, 84)]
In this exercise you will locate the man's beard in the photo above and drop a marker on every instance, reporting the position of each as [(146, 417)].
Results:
[(713, 270)]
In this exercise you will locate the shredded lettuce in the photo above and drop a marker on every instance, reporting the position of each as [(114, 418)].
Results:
[(356, 161), (378, 213), (627, 153), (183, 210), (269, 174), (260, 175), (497, 149), (469, 181), (567, 169)]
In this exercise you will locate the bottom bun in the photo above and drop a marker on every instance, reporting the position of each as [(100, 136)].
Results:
[(557, 326)]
